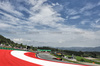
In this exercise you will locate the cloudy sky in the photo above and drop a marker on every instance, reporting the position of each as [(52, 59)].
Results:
[(55, 23)]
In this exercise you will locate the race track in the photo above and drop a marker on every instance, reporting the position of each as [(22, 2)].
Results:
[(23, 58)]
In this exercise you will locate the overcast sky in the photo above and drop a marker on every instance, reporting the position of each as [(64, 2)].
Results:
[(55, 23)]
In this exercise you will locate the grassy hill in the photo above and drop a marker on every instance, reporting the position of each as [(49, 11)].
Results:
[(7, 42)]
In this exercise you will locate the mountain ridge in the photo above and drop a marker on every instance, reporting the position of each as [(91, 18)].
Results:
[(88, 49)]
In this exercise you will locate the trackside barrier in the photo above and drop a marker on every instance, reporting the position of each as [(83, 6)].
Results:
[(12, 49), (8, 48)]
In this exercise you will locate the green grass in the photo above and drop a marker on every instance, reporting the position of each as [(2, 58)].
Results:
[(97, 59), (78, 58), (66, 59), (68, 55)]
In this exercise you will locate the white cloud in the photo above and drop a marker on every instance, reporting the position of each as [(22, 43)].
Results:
[(45, 16), (98, 3), (97, 21), (9, 18), (88, 6), (36, 2), (95, 25), (75, 17), (86, 10), (87, 13), (3, 25), (21, 40), (39, 13), (15, 24), (83, 22), (54, 4), (70, 37), (6, 6), (71, 11), (57, 7)]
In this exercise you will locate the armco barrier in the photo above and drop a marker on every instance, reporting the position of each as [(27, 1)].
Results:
[(8, 48), (13, 49)]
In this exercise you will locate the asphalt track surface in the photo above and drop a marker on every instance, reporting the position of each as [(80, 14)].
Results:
[(48, 56), (23, 58)]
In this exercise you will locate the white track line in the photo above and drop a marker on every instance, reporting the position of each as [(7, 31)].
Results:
[(20, 55)]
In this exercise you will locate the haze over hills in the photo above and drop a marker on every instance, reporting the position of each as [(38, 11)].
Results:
[(89, 49)]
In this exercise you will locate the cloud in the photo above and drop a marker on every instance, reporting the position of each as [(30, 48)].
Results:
[(97, 21), (75, 17), (57, 7), (95, 25), (98, 3), (83, 22), (71, 11), (3, 25), (87, 13), (8, 17), (88, 6), (55, 39), (6, 6), (21, 40), (45, 15), (39, 13)]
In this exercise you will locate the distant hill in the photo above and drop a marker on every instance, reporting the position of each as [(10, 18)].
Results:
[(89, 49), (7, 42), (4, 40)]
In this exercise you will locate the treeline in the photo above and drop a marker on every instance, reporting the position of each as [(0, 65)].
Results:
[(8, 42)]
